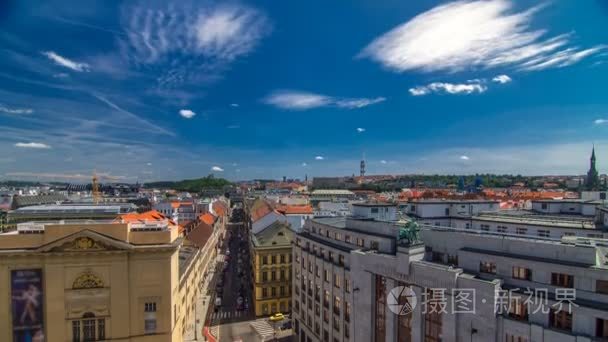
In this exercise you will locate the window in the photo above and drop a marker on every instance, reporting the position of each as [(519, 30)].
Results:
[(282, 258), (264, 292), (380, 317), (561, 319), (562, 280), (317, 271), (453, 260), (601, 286), (337, 280), (543, 233), (518, 309), (341, 260), (502, 229), (374, 210), (76, 331), (282, 291), (347, 311), (149, 318), (437, 257), (467, 225), (331, 256), (487, 267), (282, 274), (273, 275), (326, 299), (347, 285), (326, 275), (601, 328), (337, 305), (360, 242), (432, 322), (264, 276), (522, 273), (347, 239), (346, 331), (521, 231), (374, 245), (513, 338), (485, 227), (543, 206)]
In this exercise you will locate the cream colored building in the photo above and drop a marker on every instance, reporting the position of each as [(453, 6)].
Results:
[(134, 279)]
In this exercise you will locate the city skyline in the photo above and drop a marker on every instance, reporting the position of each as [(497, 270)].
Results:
[(172, 90)]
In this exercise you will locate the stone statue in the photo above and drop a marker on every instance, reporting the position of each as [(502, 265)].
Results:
[(410, 233)]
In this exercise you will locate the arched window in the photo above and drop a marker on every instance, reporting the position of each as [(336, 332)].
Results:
[(89, 328)]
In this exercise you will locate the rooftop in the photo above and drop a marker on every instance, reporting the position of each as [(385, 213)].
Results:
[(332, 192), (534, 218)]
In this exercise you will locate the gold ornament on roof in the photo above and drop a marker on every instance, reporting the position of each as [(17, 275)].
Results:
[(87, 281)]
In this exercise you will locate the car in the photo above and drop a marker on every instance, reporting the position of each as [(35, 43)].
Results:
[(277, 317)]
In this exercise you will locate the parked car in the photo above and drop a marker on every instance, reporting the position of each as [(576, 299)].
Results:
[(277, 317)]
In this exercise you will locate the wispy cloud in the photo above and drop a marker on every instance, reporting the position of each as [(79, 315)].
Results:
[(463, 157), (35, 145), (217, 169), (600, 121), (360, 130), (16, 110), (304, 164), (319, 158), (383, 161), (190, 40), (448, 88), (502, 79), (235, 105), (464, 34), (145, 124), (187, 113), (233, 126), (302, 100), (65, 62)]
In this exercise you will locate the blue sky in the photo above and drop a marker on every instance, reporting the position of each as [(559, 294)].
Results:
[(149, 90)]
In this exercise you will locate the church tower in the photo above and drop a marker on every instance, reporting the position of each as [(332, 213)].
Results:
[(593, 180)]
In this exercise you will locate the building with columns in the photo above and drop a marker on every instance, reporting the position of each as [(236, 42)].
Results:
[(134, 278), (354, 279)]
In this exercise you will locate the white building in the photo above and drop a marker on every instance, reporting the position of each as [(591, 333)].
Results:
[(345, 269)]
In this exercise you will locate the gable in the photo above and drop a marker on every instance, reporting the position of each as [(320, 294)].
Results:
[(84, 241)]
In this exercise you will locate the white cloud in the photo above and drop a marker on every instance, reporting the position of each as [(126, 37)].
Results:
[(358, 103), (600, 121), (464, 158), (235, 105), (360, 130), (302, 100), (32, 145), (319, 158), (502, 79), (449, 88), (304, 164), (16, 110), (187, 113), (383, 162), (190, 41), (149, 164), (217, 169), (467, 34), (65, 62)]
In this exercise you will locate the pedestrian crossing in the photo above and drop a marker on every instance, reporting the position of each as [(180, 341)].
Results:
[(227, 314), (262, 328)]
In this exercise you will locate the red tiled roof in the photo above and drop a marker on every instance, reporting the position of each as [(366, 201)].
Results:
[(151, 215), (295, 209), (220, 208), (260, 209), (208, 218), (200, 234)]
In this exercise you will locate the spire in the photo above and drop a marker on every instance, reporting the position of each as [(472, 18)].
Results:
[(593, 154)]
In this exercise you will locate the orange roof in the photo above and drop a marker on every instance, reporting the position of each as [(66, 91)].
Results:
[(208, 218), (219, 208), (295, 209), (259, 209), (200, 234), (151, 215)]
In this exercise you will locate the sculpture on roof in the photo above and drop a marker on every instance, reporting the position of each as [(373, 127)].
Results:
[(410, 233)]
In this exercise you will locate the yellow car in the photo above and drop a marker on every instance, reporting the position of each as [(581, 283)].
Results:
[(277, 317)]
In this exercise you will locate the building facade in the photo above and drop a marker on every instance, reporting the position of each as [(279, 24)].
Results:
[(271, 259), (360, 279), (131, 279)]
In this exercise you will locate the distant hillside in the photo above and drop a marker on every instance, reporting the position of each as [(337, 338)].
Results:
[(191, 185)]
